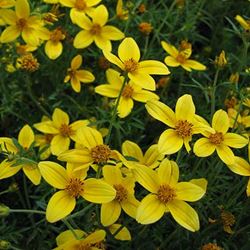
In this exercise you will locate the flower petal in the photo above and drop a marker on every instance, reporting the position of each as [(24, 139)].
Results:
[(240, 166), (143, 80), (53, 49), (152, 157), (144, 95), (59, 144), (203, 147), (153, 67), (33, 173), (171, 61), (103, 43), (128, 49), (110, 213), (113, 59), (130, 206), (107, 90), (46, 127), (185, 109), (112, 175), (26, 137), (80, 19), (83, 39), (131, 149), (225, 154), (112, 33), (10, 34), (188, 191), (195, 65), (123, 234), (220, 121), (170, 49), (7, 170), (85, 76), (60, 117), (76, 62), (100, 15), (22, 9), (234, 140), (125, 107)]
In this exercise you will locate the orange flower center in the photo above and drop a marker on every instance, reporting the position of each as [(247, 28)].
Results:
[(121, 192), (184, 128), (82, 247), (56, 35), (65, 130), (21, 23), (216, 138), (48, 138), (28, 62), (131, 65), (75, 187), (127, 91), (166, 193), (96, 29), (100, 153), (80, 5), (211, 246), (181, 58)]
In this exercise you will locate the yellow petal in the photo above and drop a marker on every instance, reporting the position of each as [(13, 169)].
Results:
[(26, 137), (184, 214), (195, 65), (83, 39), (152, 156), (130, 206), (78, 124), (243, 22), (67, 3), (96, 237), (110, 213), (68, 235), (76, 62), (125, 107), (9, 17), (220, 121), (150, 210), (54, 174), (85, 76), (112, 33), (107, 90), (201, 182), (153, 67), (143, 80), (113, 59), (33, 173), (80, 19), (171, 61), (161, 112), (53, 49), (59, 200), (248, 188), (22, 9), (10, 34), (235, 141), (130, 148), (103, 43), (170, 49), (240, 166), (185, 109), (100, 15), (203, 147), (123, 234), (169, 142), (129, 49), (59, 144), (114, 78), (144, 95), (98, 191), (112, 175), (59, 118), (7, 145), (46, 127), (75, 84), (188, 191), (6, 169), (30, 36), (225, 154), (168, 172)]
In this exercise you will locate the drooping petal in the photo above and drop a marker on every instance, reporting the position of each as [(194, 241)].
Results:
[(143, 80), (203, 147), (125, 107), (112, 33), (150, 210), (100, 15), (110, 213), (22, 9), (225, 154), (75, 84), (33, 173), (54, 174), (152, 157), (98, 191), (53, 49), (130, 206), (83, 39), (161, 112), (131, 149), (153, 67), (59, 144), (169, 142), (112, 175), (129, 49), (107, 90), (170, 49), (26, 137), (184, 214), (10, 34), (234, 140), (240, 166), (113, 59), (220, 121), (187, 191), (185, 109), (60, 205), (195, 65), (7, 170), (171, 61)]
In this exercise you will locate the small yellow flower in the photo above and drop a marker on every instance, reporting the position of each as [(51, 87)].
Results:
[(27, 62), (234, 77), (145, 28), (167, 195), (221, 61), (72, 184), (181, 57), (76, 76), (130, 92), (245, 24), (219, 139), (121, 13), (243, 121), (129, 62), (96, 30)]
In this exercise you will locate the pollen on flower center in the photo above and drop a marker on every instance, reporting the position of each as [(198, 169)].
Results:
[(100, 153), (96, 29), (181, 58), (127, 91), (28, 62), (184, 128), (216, 138), (56, 35), (21, 23), (80, 5), (82, 247), (65, 130), (121, 192), (166, 193), (131, 65), (48, 138), (75, 187)]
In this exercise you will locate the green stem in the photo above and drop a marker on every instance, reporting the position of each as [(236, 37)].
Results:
[(83, 211), (29, 211), (213, 93), (111, 124), (4, 192), (244, 54)]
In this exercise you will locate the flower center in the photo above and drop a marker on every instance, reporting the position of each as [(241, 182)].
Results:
[(211, 246), (80, 5), (21, 23), (48, 138), (75, 187), (166, 193), (127, 91), (216, 138), (131, 65), (65, 130), (121, 192), (56, 35), (184, 128), (28, 62), (100, 153), (96, 29), (181, 58)]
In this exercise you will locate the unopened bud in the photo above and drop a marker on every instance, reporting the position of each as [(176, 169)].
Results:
[(221, 61), (4, 245), (4, 210)]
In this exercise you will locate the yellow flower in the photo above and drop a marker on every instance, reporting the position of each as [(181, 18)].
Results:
[(124, 199), (243, 121), (151, 158), (138, 72), (25, 139), (219, 139), (123, 234), (121, 13), (93, 150), (7, 3), (77, 76), (21, 23), (145, 28), (130, 92), (96, 30), (181, 57), (61, 130), (221, 61), (72, 184), (167, 195), (27, 62), (245, 24), (184, 123), (67, 240), (80, 7)]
